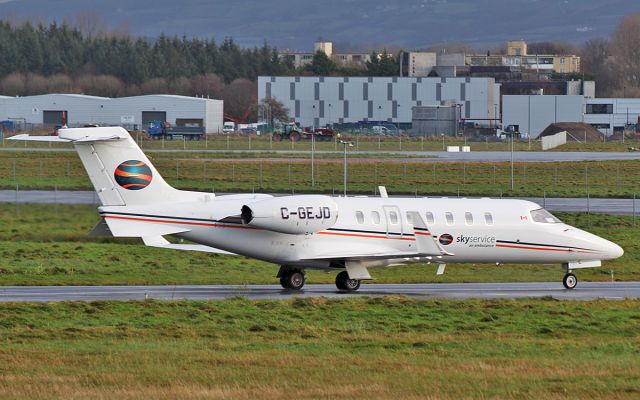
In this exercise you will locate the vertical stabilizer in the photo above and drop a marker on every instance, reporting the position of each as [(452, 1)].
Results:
[(120, 172)]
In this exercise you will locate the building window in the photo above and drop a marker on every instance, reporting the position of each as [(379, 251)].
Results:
[(360, 217), (599, 108), (430, 219), (376, 217), (468, 218), (449, 217), (488, 218)]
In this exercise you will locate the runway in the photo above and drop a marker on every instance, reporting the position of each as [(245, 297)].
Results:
[(608, 206), (584, 291), (415, 156)]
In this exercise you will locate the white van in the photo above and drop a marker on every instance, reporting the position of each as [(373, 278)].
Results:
[(229, 127)]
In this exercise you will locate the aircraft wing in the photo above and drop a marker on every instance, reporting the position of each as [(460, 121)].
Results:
[(159, 241), (427, 245)]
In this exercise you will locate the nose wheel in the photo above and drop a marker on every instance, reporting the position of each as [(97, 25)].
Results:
[(292, 279), (344, 283), (570, 281)]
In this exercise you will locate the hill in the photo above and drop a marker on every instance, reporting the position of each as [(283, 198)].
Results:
[(296, 24)]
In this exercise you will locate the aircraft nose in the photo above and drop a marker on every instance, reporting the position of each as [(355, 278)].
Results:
[(611, 250)]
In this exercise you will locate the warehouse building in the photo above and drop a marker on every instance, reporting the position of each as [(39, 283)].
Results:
[(533, 114), (319, 101), (130, 112)]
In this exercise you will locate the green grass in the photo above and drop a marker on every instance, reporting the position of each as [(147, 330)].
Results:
[(373, 348), (361, 143), (568, 179), (48, 245)]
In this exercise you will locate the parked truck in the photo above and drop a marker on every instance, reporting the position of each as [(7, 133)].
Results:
[(164, 130)]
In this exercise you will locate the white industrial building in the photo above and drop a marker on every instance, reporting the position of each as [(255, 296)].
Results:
[(534, 113), (131, 112), (318, 101)]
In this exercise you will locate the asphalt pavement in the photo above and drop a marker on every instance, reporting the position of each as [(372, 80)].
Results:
[(416, 156), (584, 291)]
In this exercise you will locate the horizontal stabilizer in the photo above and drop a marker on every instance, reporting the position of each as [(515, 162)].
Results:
[(130, 227), (28, 138), (159, 241), (101, 230)]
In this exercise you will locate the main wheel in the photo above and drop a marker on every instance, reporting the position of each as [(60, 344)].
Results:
[(343, 282), (292, 280), (570, 281)]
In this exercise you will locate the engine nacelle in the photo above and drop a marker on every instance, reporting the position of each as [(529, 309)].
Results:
[(295, 215)]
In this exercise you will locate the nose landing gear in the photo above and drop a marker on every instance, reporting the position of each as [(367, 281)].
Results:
[(570, 281), (291, 278), (344, 283)]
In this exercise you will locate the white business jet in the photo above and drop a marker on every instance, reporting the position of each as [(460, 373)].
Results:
[(348, 235)]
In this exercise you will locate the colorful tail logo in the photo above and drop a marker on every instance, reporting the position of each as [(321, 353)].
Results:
[(133, 175)]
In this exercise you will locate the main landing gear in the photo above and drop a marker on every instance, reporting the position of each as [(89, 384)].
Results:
[(292, 279), (343, 282), (570, 281)]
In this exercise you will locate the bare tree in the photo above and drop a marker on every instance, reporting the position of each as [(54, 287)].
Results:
[(551, 48), (625, 49), (90, 23), (272, 110), (14, 85), (154, 86), (596, 63), (240, 98), (60, 83), (209, 85), (36, 84), (181, 86)]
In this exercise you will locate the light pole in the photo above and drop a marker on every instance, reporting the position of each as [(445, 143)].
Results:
[(313, 148), (345, 144), (442, 134), (512, 132)]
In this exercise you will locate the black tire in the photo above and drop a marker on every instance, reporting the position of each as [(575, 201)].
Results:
[(276, 137), (343, 282), (168, 137), (570, 281), (293, 280), (294, 136), (284, 282)]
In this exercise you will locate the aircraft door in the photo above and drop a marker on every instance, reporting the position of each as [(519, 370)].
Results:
[(393, 221)]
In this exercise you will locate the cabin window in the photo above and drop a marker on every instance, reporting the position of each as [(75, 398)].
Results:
[(393, 217), (449, 217), (488, 218), (430, 219), (544, 216), (376, 217), (468, 218), (360, 217)]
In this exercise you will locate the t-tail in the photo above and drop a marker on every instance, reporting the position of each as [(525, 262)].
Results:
[(120, 172)]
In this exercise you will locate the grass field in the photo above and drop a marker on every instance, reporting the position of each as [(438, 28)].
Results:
[(361, 143), (48, 245), (568, 179), (367, 348)]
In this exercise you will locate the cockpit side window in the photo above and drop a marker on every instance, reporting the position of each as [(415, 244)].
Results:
[(543, 216)]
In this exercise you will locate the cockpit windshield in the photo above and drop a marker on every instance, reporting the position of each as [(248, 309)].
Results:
[(544, 216)]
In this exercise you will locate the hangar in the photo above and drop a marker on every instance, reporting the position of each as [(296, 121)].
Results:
[(130, 112)]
